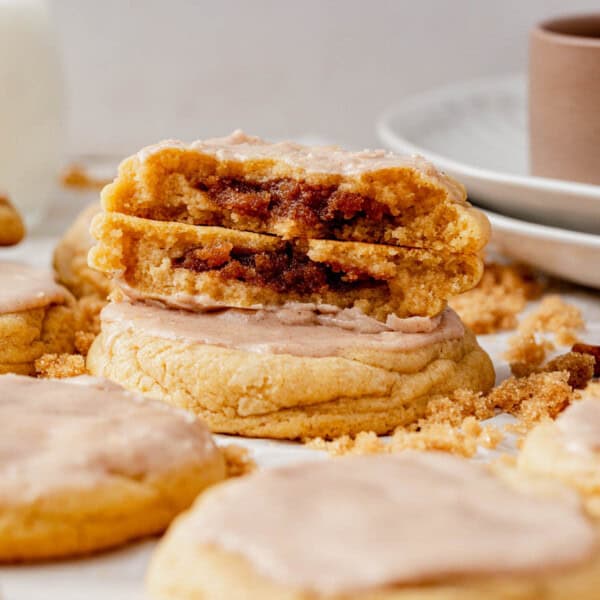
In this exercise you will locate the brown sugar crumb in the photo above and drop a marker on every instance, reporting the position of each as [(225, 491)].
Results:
[(533, 398), (76, 176), (59, 366), (238, 460), (455, 408), (580, 368), (593, 351), (437, 436), (556, 316), (501, 294), (83, 341), (442, 437), (88, 322), (525, 353), (453, 423)]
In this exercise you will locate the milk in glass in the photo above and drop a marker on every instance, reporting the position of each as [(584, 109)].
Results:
[(31, 98)]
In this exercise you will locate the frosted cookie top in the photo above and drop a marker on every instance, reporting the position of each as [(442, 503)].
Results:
[(358, 523), (241, 147), (299, 330), (580, 426), (291, 190), (23, 287), (74, 434)]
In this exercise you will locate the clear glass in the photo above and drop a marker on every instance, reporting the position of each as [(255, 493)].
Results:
[(31, 106)]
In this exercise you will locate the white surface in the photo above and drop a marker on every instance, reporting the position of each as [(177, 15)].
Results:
[(141, 70), (119, 575), (566, 254), (477, 132)]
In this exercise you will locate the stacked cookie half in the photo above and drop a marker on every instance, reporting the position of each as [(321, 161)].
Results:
[(287, 291)]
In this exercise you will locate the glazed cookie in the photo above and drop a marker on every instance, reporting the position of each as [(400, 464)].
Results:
[(37, 316), (291, 373), (85, 465), (568, 449), (12, 229), (417, 526), (294, 191), (191, 266), (70, 259)]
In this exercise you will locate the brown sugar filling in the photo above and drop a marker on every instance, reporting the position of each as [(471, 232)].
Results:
[(312, 205), (286, 269)]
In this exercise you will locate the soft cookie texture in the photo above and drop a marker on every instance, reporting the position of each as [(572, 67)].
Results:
[(257, 378), (85, 465), (37, 316), (70, 259), (188, 265), (569, 450), (418, 526)]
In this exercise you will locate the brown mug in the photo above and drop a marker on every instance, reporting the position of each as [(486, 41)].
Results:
[(564, 99)]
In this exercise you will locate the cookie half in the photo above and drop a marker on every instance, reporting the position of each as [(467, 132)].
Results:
[(37, 316), (292, 191), (293, 373), (416, 526), (85, 465), (194, 267)]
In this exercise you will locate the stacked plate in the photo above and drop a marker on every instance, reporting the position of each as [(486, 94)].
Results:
[(477, 132)]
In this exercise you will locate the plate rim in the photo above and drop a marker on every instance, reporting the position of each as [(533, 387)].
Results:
[(539, 231), (386, 134)]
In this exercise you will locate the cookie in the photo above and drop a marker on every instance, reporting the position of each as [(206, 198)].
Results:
[(193, 267), (12, 230), (70, 259), (86, 466), (37, 316), (296, 191), (569, 450), (415, 526), (292, 373)]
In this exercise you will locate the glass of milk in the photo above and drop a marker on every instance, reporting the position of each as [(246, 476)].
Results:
[(31, 106)]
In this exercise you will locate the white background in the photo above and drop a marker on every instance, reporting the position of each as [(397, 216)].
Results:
[(140, 70)]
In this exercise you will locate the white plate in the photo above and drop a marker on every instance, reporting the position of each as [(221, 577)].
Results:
[(477, 132), (571, 255)]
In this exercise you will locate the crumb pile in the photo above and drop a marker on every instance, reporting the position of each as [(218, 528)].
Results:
[(539, 389)]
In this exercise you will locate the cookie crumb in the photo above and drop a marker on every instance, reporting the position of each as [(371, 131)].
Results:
[(238, 460), (555, 316), (525, 353), (76, 176), (83, 341), (12, 230), (502, 293), (580, 368), (442, 437), (59, 366), (88, 322), (592, 351), (533, 398)]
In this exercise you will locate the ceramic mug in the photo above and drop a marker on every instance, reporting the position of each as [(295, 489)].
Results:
[(564, 99)]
